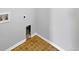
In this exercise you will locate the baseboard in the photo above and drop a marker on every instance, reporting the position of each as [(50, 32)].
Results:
[(17, 44), (52, 43)]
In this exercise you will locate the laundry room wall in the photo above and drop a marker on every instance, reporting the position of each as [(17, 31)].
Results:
[(43, 22), (14, 31), (64, 29)]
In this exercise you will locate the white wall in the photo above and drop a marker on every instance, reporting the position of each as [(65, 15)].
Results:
[(33, 21), (64, 28), (14, 31), (58, 25), (42, 21)]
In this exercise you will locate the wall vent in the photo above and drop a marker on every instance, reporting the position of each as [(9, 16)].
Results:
[(28, 32)]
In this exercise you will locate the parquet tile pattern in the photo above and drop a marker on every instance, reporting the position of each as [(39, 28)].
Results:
[(35, 44)]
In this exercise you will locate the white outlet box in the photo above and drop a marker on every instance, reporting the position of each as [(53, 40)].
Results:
[(4, 17)]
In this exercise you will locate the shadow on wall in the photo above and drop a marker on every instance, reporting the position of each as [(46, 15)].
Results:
[(43, 21)]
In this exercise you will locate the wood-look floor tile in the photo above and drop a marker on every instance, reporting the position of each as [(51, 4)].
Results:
[(35, 44)]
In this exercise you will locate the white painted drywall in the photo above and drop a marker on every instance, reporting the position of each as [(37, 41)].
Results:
[(59, 25), (14, 31), (42, 21), (64, 28), (33, 21)]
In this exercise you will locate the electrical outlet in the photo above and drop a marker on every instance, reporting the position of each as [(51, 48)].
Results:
[(26, 17)]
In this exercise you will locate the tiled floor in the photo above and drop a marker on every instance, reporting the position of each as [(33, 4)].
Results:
[(35, 44)]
